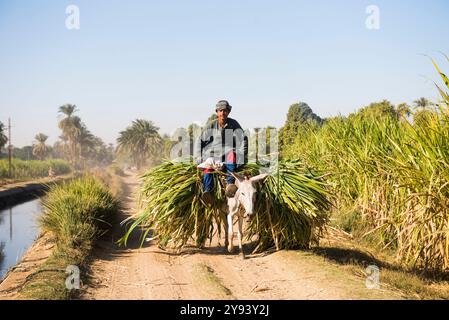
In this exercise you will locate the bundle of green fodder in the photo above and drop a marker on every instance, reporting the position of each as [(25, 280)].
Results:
[(291, 207)]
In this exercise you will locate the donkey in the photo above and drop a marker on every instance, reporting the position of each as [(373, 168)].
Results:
[(244, 198)]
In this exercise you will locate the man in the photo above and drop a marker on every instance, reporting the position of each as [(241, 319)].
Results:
[(223, 140)]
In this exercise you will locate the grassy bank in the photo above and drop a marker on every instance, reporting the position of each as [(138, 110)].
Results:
[(75, 214), (32, 169)]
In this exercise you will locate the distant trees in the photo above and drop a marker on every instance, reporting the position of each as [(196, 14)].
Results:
[(422, 103), (299, 115), (40, 149), (3, 137), (302, 121), (59, 150), (71, 129), (24, 153), (380, 109), (423, 111), (141, 142), (78, 145), (403, 110)]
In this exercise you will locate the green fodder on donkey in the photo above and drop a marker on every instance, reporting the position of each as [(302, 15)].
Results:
[(290, 207)]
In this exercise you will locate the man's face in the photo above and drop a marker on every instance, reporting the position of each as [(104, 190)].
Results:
[(222, 115)]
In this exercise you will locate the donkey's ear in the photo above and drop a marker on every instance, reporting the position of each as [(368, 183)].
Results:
[(238, 178), (259, 177)]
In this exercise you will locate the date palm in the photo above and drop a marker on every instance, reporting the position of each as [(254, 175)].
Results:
[(422, 103), (71, 127), (87, 144), (40, 149), (141, 141), (422, 111)]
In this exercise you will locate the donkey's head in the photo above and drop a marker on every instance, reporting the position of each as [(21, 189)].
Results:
[(246, 193)]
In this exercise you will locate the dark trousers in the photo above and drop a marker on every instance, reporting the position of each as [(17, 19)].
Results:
[(228, 167), (208, 180)]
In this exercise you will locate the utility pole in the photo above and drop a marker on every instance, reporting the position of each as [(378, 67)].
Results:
[(9, 148)]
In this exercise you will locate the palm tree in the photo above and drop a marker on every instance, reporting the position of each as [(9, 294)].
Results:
[(90, 146), (40, 149), (71, 127), (422, 103), (423, 112), (141, 141), (3, 137), (59, 150)]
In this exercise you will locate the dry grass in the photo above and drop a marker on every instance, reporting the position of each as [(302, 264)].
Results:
[(340, 248)]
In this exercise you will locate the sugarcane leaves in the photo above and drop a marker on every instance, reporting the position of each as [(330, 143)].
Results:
[(290, 207)]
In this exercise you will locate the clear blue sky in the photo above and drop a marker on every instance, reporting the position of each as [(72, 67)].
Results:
[(170, 61)]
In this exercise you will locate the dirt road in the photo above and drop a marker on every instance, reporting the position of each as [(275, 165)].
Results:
[(211, 273)]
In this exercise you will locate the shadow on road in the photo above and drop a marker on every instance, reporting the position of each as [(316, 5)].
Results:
[(345, 256)]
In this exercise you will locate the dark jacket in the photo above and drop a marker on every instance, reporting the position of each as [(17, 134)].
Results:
[(217, 142)]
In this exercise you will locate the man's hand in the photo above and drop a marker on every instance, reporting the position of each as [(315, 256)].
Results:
[(210, 163)]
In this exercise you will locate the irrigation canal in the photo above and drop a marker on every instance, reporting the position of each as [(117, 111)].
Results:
[(18, 230)]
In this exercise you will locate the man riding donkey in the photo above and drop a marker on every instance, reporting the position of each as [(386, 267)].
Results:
[(224, 146)]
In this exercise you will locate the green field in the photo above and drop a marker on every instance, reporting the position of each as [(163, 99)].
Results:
[(33, 169)]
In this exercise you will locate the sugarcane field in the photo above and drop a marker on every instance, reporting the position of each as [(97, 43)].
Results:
[(219, 159)]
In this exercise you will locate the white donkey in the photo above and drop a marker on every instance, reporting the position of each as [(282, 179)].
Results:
[(245, 197)]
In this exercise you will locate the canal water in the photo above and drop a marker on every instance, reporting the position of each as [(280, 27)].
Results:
[(18, 230)]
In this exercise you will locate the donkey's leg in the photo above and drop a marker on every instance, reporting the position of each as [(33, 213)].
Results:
[(226, 227), (240, 236), (230, 232)]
